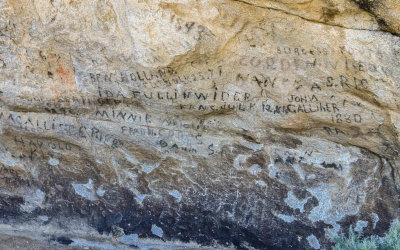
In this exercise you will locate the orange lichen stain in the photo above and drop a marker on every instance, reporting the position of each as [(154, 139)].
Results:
[(64, 80), (66, 76)]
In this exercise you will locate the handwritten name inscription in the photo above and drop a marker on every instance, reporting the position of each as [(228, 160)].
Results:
[(184, 110)]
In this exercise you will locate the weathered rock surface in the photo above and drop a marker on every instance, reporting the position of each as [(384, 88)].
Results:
[(170, 124)]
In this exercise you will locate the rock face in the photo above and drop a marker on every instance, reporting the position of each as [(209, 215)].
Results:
[(179, 123)]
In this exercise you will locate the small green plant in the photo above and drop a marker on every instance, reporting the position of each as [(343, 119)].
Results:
[(391, 241)]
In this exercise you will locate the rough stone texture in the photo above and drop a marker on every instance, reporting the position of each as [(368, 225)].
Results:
[(199, 124), (20, 243)]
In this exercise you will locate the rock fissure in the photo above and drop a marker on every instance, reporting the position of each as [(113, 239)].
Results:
[(323, 23)]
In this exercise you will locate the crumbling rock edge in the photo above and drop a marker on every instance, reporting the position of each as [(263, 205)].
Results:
[(91, 239)]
